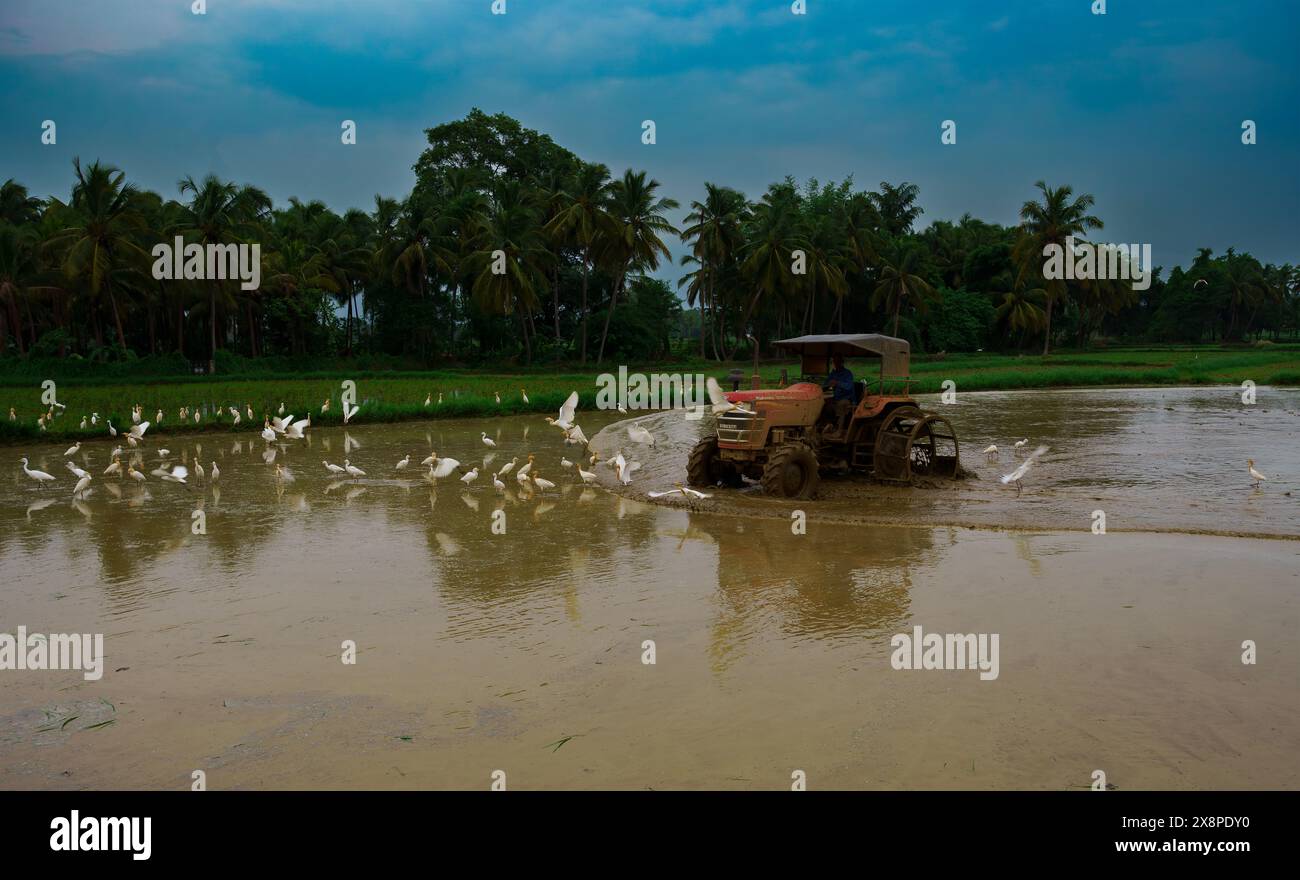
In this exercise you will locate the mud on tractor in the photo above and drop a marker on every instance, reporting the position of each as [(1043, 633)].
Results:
[(786, 437)]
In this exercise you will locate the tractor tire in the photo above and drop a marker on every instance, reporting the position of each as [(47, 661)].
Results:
[(791, 472), (704, 469)]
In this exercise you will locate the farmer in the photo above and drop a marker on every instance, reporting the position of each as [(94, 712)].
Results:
[(840, 381)]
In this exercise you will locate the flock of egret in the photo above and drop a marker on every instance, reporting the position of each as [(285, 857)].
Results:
[(281, 428)]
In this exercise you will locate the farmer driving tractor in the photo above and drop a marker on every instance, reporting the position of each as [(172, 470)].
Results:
[(840, 381)]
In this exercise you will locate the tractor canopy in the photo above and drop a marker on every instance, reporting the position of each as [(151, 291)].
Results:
[(816, 351)]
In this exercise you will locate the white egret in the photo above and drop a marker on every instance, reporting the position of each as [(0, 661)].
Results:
[(39, 476), (114, 468), (497, 395), (544, 485), (497, 484), (991, 451), (574, 436), (523, 471), (112, 432), (1019, 473), (1256, 475), (524, 395), (488, 441), (1021, 443), (567, 411), (267, 434), (76, 470), (639, 434), (134, 474), (508, 466), (215, 473), (587, 476), (680, 490), (177, 474), (198, 471), (352, 469), (137, 431), (444, 467), (470, 477), (73, 450), (565, 463), (718, 398), (401, 465)]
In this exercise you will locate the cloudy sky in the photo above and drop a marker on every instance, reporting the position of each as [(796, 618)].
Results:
[(1142, 107)]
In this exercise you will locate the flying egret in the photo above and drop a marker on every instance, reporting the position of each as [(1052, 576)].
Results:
[(1019, 473), (352, 469), (444, 467), (575, 437), (401, 465), (680, 490), (433, 456), (39, 476), (137, 430), (718, 398), (294, 431), (639, 434), (567, 411), (177, 474), (73, 450), (1258, 477), (488, 441)]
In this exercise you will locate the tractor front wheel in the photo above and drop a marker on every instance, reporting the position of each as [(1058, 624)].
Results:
[(705, 469), (791, 472)]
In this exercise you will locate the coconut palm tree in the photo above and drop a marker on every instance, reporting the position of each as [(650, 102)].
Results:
[(1050, 222), (509, 266), (771, 238), (584, 219), (901, 265), (98, 242), (220, 212), (716, 235), (635, 242)]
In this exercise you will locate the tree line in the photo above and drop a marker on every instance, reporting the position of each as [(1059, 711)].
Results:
[(511, 247)]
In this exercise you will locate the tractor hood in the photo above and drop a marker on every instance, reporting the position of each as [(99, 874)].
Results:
[(797, 391)]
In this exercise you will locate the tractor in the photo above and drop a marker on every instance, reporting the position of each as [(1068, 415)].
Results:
[(785, 438)]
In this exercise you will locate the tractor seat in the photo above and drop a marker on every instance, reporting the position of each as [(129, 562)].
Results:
[(797, 391)]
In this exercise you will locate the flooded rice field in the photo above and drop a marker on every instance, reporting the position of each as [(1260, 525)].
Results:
[(512, 631)]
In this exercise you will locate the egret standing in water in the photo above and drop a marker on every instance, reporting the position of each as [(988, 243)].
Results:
[(488, 441), (1256, 475), (40, 477), (352, 469)]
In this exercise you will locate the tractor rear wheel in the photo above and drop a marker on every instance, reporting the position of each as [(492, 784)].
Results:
[(791, 472), (704, 468)]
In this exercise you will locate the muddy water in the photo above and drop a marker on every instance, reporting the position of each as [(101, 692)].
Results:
[(1168, 459), (523, 651)]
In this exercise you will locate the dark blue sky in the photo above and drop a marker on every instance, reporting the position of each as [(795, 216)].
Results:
[(1141, 107)]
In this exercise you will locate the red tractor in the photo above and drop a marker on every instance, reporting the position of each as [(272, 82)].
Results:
[(786, 437)]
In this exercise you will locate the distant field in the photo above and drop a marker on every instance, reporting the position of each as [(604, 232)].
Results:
[(400, 396)]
